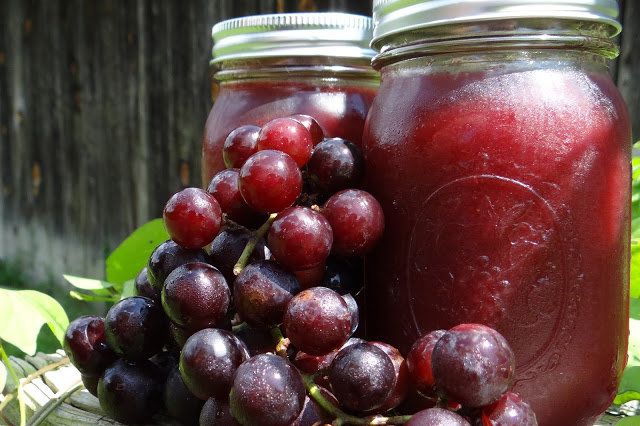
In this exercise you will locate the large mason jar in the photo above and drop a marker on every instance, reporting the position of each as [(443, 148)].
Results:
[(499, 148), (270, 66)]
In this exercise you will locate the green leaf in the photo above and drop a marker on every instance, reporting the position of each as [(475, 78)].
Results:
[(91, 297), (87, 283), (629, 421), (634, 290), (629, 388), (128, 289), (24, 312), (132, 254)]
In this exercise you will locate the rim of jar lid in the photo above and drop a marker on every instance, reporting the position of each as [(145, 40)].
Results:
[(392, 17), (293, 34)]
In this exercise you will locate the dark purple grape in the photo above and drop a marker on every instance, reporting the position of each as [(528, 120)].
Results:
[(357, 221), (239, 145), (165, 361), (192, 218), (300, 238), (225, 187), (270, 181), (419, 362), (196, 296), (90, 383), (362, 377), (401, 376), (136, 328), (227, 248), (437, 417), (167, 257), (209, 360), (86, 345), (144, 288), (310, 364), (289, 136), (130, 392), (343, 277), (267, 391), (180, 403), (216, 413), (355, 313), (317, 134), (335, 164), (473, 364), (258, 340), (262, 291), (509, 410), (312, 414), (317, 321)]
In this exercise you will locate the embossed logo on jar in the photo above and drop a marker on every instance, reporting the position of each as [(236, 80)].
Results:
[(490, 249)]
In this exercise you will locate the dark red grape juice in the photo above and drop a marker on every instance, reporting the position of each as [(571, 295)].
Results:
[(505, 189)]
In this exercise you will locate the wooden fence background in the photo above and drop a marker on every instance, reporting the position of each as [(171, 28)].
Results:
[(102, 105)]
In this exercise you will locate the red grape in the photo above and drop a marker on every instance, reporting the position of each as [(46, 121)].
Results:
[(401, 375), (335, 164), (261, 293), (289, 136), (509, 410), (270, 181), (437, 417), (362, 377), (225, 187), (300, 238), (131, 392), (357, 221), (209, 360), (317, 321), (215, 412), (192, 218), (180, 403), (419, 362), (136, 328), (317, 134), (473, 364), (239, 145), (144, 288), (85, 344), (267, 391), (196, 296), (167, 257)]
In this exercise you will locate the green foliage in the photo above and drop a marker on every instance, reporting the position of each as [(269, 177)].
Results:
[(123, 265), (132, 254), (24, 312), (629, 421), (629, 388)]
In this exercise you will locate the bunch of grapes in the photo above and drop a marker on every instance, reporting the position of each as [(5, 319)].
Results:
[(247, 315)]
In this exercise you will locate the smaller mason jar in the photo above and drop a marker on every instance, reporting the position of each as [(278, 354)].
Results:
[(271, 66), (499, 148)]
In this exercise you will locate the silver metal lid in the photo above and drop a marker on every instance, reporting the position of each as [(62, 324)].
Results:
[(397, 16), (293, 34)]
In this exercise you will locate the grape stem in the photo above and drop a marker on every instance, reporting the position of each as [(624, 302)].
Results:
[(343, 418), (282, 343), (251, 244)]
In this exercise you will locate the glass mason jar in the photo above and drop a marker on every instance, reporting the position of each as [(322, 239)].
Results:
[(499, 148), (271, 66)]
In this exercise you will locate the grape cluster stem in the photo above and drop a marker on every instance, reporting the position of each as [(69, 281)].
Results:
[(343, 418), (251, 244)]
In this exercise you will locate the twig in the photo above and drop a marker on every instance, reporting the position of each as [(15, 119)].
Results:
[(251, 244), (342, 417)]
